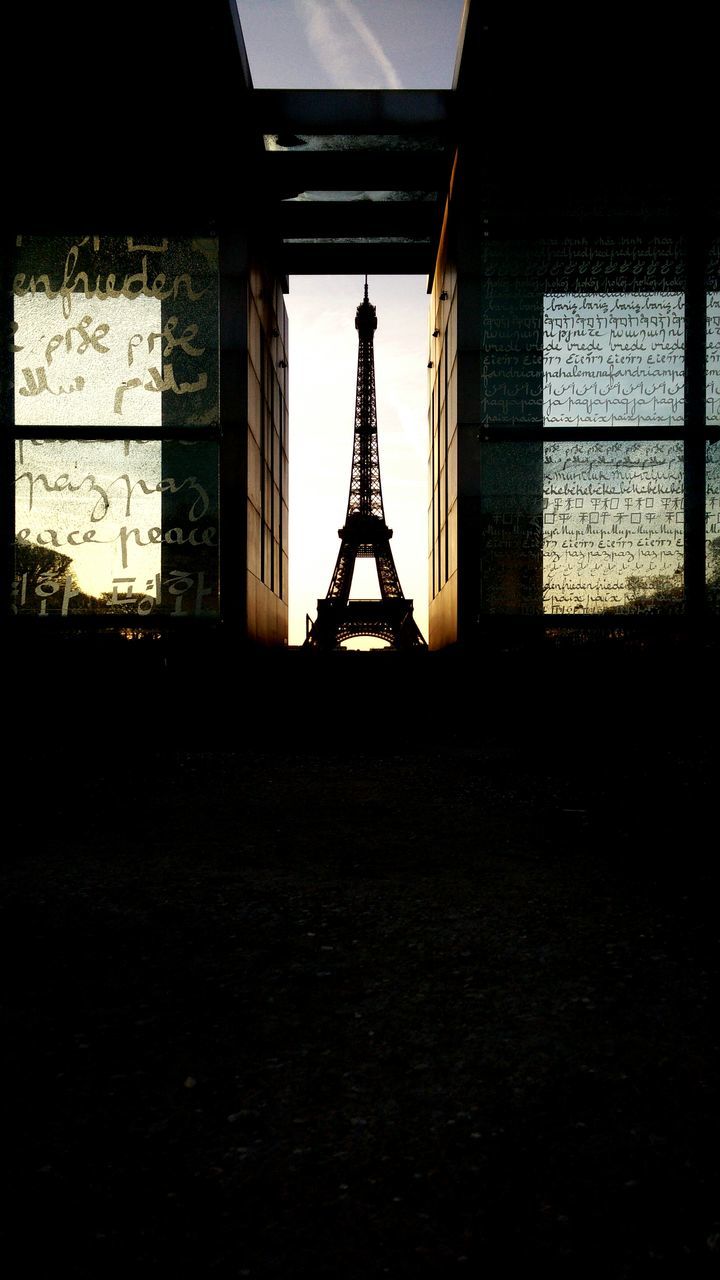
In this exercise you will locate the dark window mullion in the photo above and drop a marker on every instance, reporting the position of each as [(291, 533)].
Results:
[(273, 428), (446, 389), (7, 394), (507, 432), (433, 516), (281, 488), (695, 420), (193, 435), (263, 459)]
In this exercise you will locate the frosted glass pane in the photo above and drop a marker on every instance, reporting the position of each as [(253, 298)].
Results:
[(112, 526), (713, 359), (712, 527), (613, 360), (613, 527), (116, 332)]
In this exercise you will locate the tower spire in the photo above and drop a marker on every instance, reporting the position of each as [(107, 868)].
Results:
[(365, 533)]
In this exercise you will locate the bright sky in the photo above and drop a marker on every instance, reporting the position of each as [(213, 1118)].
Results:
[(354, 44)]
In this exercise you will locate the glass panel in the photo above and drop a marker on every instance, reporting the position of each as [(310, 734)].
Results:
[(713, 527), (119, 527), (613, 527), (353, 142), (371, 240), (613, 359), (381, 197), (511, 528), (115, 332), (531, 317), (713, 360)]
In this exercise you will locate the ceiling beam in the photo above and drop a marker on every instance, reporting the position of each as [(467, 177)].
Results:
[(413, 218), (349, 259), (405, 111), (289, 171)]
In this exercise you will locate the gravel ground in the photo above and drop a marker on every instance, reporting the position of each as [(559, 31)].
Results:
[(310, 1011)]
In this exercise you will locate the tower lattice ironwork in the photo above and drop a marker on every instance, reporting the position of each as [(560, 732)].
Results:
[(365, 532)]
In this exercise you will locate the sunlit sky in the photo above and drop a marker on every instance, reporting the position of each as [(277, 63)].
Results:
[(354, 44)]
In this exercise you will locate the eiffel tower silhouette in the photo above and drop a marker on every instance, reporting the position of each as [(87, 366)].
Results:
[(365, 532)]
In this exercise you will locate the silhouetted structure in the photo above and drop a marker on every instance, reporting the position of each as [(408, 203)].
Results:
[(573, 355), (365, 532)]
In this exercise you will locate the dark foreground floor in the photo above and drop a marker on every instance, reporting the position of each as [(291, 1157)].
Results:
[(439, 1000)]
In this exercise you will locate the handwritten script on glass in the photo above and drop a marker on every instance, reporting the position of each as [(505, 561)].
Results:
[(116, 525), (111, 331), (613, 359), (613, 527)]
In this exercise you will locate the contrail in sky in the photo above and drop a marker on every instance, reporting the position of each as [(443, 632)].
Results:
[(337, 50), (372, 44)]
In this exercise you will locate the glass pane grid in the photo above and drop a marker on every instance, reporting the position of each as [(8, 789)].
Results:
[(116, 527), (116, 410), (113, 332), (583, 440)]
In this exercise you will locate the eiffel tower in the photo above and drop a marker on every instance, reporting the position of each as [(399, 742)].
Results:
[(365, 532)]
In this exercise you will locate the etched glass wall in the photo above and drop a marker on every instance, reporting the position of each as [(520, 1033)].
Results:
[(103, 526), (712, 527), (613, 359), (612, 526), (713, 359), (712, 450), (613, 509), (583, 456), (116, 408)]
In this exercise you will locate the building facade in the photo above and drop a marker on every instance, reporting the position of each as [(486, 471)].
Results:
[(574, 348), (572, 251), (147, 384)]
